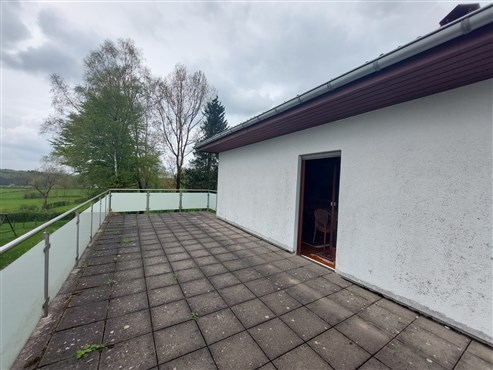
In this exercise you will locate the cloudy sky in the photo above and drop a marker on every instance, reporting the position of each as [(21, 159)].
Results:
[(256, 54)]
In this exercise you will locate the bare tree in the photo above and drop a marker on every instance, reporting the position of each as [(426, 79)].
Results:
[(49, 175), (179, 100)]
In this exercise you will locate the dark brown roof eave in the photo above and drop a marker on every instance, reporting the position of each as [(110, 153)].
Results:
[(459, 62)]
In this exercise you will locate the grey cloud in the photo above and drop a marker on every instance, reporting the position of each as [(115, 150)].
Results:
[(13, 29)]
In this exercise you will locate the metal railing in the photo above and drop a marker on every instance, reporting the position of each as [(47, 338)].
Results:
[(29, 281)]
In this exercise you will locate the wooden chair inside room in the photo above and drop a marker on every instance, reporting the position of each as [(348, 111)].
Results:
[(322, 223)]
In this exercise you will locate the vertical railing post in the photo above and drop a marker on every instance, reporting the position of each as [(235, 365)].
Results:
[(109, 210), (100, 210), (148, 195), (105, 205), (181, 201), (77, 215), (90, 236), (208, 196), (46, 251)]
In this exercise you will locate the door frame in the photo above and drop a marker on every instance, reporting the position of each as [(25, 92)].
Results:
[(301, 189)]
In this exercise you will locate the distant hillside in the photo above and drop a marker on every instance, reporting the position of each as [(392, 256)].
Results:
[(16, 178), (24, 178)]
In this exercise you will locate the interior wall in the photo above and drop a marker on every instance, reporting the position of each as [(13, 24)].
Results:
[(415, 201)]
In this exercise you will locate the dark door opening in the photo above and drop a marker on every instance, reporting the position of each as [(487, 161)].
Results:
[(319, 204)]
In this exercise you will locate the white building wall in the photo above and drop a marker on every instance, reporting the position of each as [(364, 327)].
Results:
[(415, 202)]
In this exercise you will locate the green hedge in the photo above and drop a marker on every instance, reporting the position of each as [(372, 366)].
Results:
[(32, 216)]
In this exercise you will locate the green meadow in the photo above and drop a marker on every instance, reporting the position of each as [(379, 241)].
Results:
[(24, 208)]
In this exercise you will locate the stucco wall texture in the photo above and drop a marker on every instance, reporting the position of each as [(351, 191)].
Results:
[(415, 202)]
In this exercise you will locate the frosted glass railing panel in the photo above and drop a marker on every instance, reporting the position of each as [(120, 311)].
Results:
[(128, 202), (22, 301), (62, 255), (194, 201), (163, 201), (213, 201), (84, 230)]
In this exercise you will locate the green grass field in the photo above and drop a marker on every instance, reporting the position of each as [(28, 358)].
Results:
[(12, 200)]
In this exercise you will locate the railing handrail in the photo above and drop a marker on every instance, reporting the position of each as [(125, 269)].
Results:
[(27, 235), (163, 190)]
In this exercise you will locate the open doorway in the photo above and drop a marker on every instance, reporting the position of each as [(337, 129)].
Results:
[(319, 204)]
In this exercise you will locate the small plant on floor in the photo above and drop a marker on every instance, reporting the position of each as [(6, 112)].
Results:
[(110, 282), (175, 275), (88, 348), (125, 241), (195, 317)]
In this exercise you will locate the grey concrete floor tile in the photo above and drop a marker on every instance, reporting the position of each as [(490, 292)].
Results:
[(188, 275), (127, 304), (196, 287), (247, 274), (219, 325), (173, 250), (82, 315), (339, 351), (303, 293), (204, 261), (261, 287), (223, 280), (170, 314), (267, 366), (351, 301), (403, 313), (471, 362), (275, 338), (153, 253), (443, 331), (128, 275), (236, 294), (199, 253), (366, 335), (129, 256), (302, 274), (157, 260), (280, 302), (365, 293), (301, 358), (284, 265), (252, 312), (323, 286), (283, 280), (386, 320), (178, 257), (482, 351), (98, 269), (177, 341), (267, 269), (121, 288), (64, 344), (304, 323), (127, 326), (238, 352), (160, 281), (165, 295), (85, 296), (214, 269), (397, 355), (226, 257), (206, 303), (183, 265), (94, 281), (88, 362), (374, 364), (127, 265), (198, 360), (437, 349), (137, 353), (161, 268), (234, 265)]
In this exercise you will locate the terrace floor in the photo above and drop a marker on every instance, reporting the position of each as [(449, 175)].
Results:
[(188, 291)]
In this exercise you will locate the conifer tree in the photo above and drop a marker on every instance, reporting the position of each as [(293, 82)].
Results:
[(202, 173)]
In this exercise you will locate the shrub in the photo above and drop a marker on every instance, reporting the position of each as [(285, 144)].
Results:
[(32, 195), (28, 207)]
